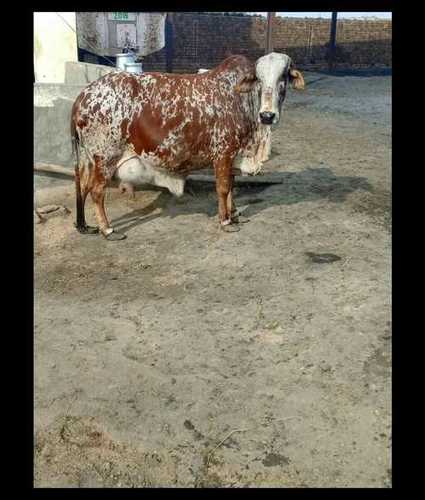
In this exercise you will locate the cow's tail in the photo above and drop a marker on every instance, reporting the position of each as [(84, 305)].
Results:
[(75, 143)]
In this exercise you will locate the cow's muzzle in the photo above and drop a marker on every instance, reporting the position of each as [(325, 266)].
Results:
[(267, 118)]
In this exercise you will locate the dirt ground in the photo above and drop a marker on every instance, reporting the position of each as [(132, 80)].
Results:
[(188, 357)]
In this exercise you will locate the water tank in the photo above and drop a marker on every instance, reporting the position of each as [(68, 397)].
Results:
[(133, 68), (122, 60)]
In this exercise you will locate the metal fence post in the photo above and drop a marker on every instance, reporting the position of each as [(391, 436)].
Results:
[(269, 41), (332, 42), (169, 47)]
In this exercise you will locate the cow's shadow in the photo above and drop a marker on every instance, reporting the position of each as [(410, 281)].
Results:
[(251, 197)]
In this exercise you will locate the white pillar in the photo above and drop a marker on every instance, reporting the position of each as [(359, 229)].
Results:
[(55, 43)]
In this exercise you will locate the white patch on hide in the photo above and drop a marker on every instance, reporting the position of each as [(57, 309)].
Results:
[(269, 70), (136, 170), (250, 160)]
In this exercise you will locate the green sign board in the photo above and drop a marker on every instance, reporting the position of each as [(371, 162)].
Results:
[(121, 16)]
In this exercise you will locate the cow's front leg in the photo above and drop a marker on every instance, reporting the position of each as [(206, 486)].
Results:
[(231, 207), (224, 184), (235, 216)]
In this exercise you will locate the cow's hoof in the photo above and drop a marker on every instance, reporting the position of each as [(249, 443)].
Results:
[(87, 229), (240, 219), (230, 228), (40, 219), (115, 236)]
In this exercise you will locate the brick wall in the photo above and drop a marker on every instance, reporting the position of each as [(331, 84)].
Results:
[(203, 41)]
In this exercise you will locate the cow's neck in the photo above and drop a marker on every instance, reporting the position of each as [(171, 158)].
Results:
[(259, 146)]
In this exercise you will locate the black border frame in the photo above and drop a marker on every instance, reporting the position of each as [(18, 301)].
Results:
[(23, 469)]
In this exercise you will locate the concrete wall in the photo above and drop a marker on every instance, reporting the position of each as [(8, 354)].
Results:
[(52, 142), (52, 138), (45, 94), (54, 44), (52, 115), (52, 112), (78, 73)]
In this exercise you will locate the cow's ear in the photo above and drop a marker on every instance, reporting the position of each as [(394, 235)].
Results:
[(296, 78), (245, 84), (246, 79)]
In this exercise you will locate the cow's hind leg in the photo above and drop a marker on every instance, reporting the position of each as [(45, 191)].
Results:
[(97, 192), (83, 184)]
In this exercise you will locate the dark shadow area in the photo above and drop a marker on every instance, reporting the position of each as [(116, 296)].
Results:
[(253, 197), (92, 58)]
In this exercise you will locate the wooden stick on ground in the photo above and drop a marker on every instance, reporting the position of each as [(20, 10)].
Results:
[(49, 168), (222, 441), (53, 169)]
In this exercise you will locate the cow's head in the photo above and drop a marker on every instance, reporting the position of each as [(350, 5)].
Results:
[(273, 72)]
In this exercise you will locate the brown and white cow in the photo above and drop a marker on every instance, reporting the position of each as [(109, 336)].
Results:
[(156, 128)]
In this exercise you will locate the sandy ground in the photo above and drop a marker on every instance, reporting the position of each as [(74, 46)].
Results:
[(186, 356)]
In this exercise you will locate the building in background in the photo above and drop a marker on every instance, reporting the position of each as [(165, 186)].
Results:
[(61, 38), (101, 34), (55, 43), (186, 41)]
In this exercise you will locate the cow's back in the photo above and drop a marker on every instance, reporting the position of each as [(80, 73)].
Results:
[(179, 120)]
